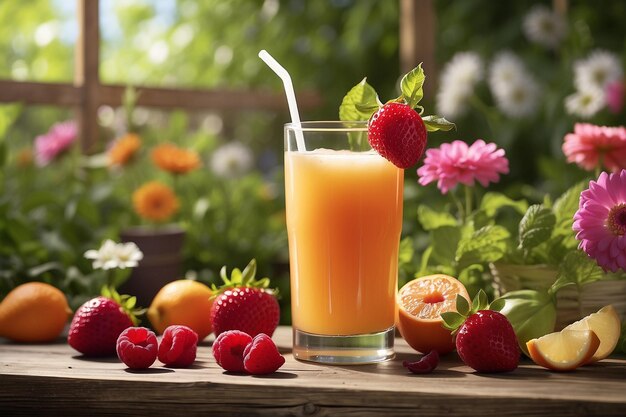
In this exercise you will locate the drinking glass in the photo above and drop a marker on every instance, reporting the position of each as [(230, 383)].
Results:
[(344, 219)]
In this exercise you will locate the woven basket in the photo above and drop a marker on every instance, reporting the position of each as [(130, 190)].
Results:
[(573, 302)]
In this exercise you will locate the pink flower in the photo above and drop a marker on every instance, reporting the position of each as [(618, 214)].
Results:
[(591, 145), (455, 162), (615, 93), (600, 222), (54, 142)]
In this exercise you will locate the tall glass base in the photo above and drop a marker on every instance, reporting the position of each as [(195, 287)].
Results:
[(344, 350)]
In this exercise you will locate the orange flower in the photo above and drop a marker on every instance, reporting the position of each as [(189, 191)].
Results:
[(124, 149), (155, 201), (25, 157), (173, 159)]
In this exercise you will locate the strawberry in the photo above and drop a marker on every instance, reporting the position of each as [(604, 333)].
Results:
[(485, 339), (98, 323), (397, 129), (398, 134), (244, 304)]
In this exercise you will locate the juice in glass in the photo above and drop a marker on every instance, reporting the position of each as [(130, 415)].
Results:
[(344, 219)]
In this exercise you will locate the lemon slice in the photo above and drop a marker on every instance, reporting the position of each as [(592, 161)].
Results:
[(565, 350), (606, 325)]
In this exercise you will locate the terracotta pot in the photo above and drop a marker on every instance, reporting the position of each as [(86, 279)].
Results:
[(162, 261)]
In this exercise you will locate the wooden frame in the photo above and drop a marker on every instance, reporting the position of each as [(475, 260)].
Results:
[(87, 93)]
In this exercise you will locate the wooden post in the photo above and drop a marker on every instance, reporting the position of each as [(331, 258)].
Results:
[(87, 72), (418, 22)]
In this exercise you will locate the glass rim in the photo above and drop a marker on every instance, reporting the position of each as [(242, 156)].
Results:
[(328, 126)]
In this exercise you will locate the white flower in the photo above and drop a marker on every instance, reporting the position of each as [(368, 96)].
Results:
[(458, 80), (115, 255), (597, 70), (232, 160), (544, 26), (515, 91), (585, 103)]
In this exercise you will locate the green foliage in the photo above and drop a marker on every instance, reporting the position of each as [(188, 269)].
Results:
[(412, 86), (536, 226)]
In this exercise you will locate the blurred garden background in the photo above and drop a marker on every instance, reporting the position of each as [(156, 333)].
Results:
[(519, 74)]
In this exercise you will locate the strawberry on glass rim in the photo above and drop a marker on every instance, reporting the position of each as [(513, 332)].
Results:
[(396, 130)]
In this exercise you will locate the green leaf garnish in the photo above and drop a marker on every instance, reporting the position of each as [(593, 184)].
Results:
[(412, 86), (434, 123), (360, 102)]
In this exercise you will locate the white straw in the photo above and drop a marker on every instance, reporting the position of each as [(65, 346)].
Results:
[(291, 95)]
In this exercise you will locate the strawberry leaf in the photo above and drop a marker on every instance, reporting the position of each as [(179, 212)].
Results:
[(241, 279), (412, 86), (480, 302), (452, 320), (359, 103), (462, 306), (497, 305), (434, 123)]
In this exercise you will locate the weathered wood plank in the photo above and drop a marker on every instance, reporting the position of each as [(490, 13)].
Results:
[(58, 94), (56, 378), (418, 28)]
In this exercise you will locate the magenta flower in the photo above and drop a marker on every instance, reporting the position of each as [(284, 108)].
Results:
[(591, 145), (455, 162), (54, 142), (600, 222)]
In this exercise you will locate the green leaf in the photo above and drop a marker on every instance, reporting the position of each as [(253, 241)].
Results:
[(487, 244), (362, 95), (462, 306), (406, 251), (444, 241), (412, 86), (452, 320), (472, 278), (249, 272), (480, 302), (577, 268), (431, 219), (497, 305), (531, 313), (434, 123), (492, 202), (536, 226), (567, 204)]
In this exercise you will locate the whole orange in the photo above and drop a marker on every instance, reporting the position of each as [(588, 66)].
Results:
[(420, 303), (183, 302), (33, 312)]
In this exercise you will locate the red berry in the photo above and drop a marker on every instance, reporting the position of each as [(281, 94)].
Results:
[(486, 342), (425, 365), (137, 347), (178, 346), (261, 356), (250, 310), (228, 350), (398, 134), (96, 326)]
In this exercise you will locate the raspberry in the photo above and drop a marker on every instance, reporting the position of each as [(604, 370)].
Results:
[(137, 347), (425, 365), (178, 346), (228, 349), (261, 356)]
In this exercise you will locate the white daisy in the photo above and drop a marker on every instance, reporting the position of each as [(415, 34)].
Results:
[(597, 70), (515, 91), (585, 104), (115, 255), (458, 80), (232, 160), (544, 26)]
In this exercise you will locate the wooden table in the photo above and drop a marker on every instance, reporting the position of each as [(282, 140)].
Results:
[(53, 380)]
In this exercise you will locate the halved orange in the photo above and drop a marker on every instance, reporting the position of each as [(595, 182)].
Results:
[(565, 350), (420, 303), (606, 325)]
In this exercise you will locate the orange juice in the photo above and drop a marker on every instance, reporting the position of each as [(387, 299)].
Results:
[(344, 219)]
